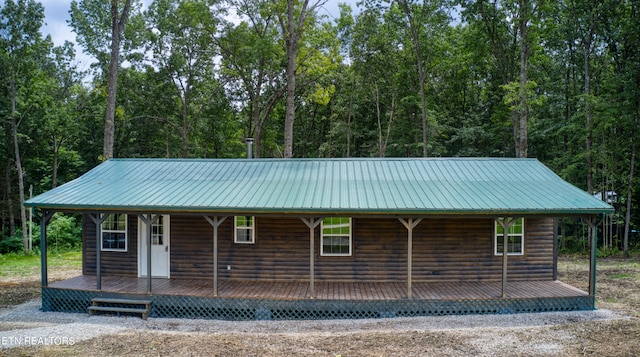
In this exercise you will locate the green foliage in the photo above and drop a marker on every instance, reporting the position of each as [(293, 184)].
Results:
[(197, 83), (64, 233), (11, 244)]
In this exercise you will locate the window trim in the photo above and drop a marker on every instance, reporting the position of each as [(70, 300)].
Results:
[(125, 231), (252, 229), (322, 236), (497, 235)]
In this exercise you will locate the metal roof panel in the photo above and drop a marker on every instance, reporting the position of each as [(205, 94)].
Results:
[(357, 186)]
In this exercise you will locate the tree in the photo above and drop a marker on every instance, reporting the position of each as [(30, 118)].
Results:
[(294, 18), (620, 29), (182, 42), (426, 21), (94, 31), (507, 25), (380, 65), (251, 64), (118, 21), (24, 52), (59, 121), (587, 16)]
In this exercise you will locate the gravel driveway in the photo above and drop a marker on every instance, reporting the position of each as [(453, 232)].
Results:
[(25, 326)]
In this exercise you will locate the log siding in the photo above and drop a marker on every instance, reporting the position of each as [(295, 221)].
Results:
[(444, 250), (113, 262)]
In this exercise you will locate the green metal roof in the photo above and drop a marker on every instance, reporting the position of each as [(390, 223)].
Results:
[(480, 186)]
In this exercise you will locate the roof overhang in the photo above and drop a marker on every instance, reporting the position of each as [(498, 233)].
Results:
[(324, 187)]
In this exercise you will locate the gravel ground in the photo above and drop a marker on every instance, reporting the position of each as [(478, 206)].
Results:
[(26, 326)]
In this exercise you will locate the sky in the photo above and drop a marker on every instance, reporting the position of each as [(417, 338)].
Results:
[(57, 14)]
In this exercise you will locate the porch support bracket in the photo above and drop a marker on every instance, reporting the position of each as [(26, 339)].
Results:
[(312, 223), (98, 218), (506, 224), (215, 222), (409, 224), (43, 216), (148, 219)]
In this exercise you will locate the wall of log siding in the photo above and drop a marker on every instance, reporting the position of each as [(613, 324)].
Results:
[(113, 263), (443, 250)]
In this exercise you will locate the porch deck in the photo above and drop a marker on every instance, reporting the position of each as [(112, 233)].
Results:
[(255, 300), (324, 290)]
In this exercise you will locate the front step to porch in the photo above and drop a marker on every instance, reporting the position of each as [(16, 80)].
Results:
[(119, 306)]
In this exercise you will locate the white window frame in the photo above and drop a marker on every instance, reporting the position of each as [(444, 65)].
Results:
[(251, 228), (329, 235), (157, 231), (497, 235), (125, 231)]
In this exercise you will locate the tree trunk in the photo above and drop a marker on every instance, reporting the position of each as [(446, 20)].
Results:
[(12, 217), (514, 124), (588, 119), (353, 85), (378, 115), (16, 147), (54, 174), (627, 216), (260, 117), (291, 41), (524, 59), (117, 28), (184, 132), (109, 117), (422, 76), (292, 28), (587, 35)]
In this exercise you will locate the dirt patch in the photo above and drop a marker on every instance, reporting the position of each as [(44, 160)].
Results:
[(618, 281), (12, 293), (15, 290), (614, 329)]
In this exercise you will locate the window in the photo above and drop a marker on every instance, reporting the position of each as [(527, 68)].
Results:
[(114, 233), (157, 231), (515, 238), (336, 236), (244, 229)]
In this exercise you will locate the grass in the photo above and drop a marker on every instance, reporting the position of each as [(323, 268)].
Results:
[(624, 276), (17, 265)]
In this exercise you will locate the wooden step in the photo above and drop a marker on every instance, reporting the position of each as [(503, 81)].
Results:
[(116, 301), (100, 300)]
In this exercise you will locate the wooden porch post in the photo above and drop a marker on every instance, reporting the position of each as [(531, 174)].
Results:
[(148, 219), (215, 222), (98, 219), (44, 218), (593, 225), (312, 223), (555, 249), (505, 223), (410, 224)]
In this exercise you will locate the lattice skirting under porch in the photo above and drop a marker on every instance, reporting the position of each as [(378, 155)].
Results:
[(64, 300)]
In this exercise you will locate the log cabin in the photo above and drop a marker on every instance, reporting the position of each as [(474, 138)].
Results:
[(319, 238)]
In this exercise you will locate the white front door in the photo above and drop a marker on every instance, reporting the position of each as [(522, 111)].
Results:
[(159, 248)]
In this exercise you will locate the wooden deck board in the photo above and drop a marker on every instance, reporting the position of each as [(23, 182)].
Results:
[(324, 290)]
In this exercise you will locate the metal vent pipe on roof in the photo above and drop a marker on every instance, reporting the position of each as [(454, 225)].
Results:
[(249, 142)]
